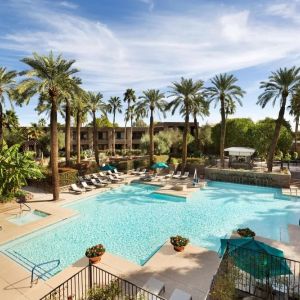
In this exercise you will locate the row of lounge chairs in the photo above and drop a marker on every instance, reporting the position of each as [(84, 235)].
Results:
[(96, 180), (152, 177)]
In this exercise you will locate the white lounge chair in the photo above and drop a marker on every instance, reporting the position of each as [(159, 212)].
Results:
[(96, 184), (74, 188), (180, 295), (143, 172), (104, 182), (118, 176), (113, 179), (185, 176), (86, 186), (117, 172), (102, 174), (154, 286), (178, 174), (136, 172), (170, 175)]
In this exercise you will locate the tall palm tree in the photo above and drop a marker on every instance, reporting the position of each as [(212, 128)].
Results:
[(282, 84), (10, 120), (200, 108), (294, 108), (224, 91), (129, 98), (152, 100), (114, 106), (184, 93), (80, 106), (47, 75), (7, 86), (95, 103)]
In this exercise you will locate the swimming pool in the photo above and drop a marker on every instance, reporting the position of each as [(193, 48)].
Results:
[(133, 222)]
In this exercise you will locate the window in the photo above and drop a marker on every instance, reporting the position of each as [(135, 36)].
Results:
[(84, 136), (102, 135), (119, 135), (137, 135)]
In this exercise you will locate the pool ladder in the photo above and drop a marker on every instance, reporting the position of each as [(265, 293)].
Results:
[(41, 271)]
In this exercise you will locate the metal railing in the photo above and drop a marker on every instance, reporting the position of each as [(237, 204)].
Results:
[(259, 274), (91, 279), (40, 272)]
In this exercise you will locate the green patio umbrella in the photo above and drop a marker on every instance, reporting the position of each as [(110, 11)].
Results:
[(160, 165), (256, 258), (107, 168)]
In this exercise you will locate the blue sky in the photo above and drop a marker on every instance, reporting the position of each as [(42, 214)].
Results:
[(143, 44)]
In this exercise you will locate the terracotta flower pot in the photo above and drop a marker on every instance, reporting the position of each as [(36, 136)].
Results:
[(95, 259), (179, 248)]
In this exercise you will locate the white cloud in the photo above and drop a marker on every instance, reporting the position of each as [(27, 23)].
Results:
[(68, 4), (287, 10), (150, 4)]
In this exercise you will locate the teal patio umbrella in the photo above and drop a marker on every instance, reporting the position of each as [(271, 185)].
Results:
[(160, 165), (256, 258), (107, 168)]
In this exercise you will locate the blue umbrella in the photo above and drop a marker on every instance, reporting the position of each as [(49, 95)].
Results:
[(160, 165), (107, 168)]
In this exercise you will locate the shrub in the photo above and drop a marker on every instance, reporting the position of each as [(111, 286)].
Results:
[(246, 232), (15, 169), (295, 155), (109, 292), (161, 158)]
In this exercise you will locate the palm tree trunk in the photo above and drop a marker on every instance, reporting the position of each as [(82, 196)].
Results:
[(151, 134), (125, 137), (95, 138), (78, 146), (1, 125), (130, 138), (54, 150), (296, 131), (114, 134), (223, 132), (68, 134), (276, 135), (184, 140), (196, 132)]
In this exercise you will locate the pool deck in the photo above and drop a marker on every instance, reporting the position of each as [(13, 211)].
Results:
[(191, 270)]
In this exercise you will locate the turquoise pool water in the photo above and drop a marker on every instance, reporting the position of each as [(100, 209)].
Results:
[(133, 221)]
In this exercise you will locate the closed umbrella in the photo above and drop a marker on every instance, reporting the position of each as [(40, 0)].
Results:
[(195, 179)]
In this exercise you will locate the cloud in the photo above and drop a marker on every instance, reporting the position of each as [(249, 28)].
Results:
[(155, 49), (287, 10), (68, 4), (150, 4)]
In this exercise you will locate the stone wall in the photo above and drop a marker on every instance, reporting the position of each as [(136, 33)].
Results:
[(249, 177)]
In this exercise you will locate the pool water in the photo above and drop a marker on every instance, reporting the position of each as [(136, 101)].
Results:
[(134, 221), (27, 217)]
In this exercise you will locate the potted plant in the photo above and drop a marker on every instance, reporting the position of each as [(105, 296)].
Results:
[(94, 253), (179, 242), (246, 233)]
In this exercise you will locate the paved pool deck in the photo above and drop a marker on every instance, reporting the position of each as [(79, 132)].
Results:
[(191, 270)]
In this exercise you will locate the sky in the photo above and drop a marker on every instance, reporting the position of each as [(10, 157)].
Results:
[(144, 44)]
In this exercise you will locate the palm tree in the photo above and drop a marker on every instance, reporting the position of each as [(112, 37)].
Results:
[(295, 111), (47, 75), (114, 106), (200, 108), (185, 92), (224, 91), (81, 108), (282, 84), (95, 103), (152, 100), (10, 120), (7, 86), (129, 97)]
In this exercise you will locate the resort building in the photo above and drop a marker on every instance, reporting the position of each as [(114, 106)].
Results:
[(105, 135)]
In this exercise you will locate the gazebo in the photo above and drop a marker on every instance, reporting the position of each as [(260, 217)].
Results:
[(240, 157)]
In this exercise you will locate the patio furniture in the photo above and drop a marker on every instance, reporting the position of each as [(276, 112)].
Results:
[(185, 176), (180, 295), (136, 172), (74, 188), (86, 186), (142, 172), (96, 184), (117, 172), (170, 175), (177, 176), (154, 286), (113, 179)]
